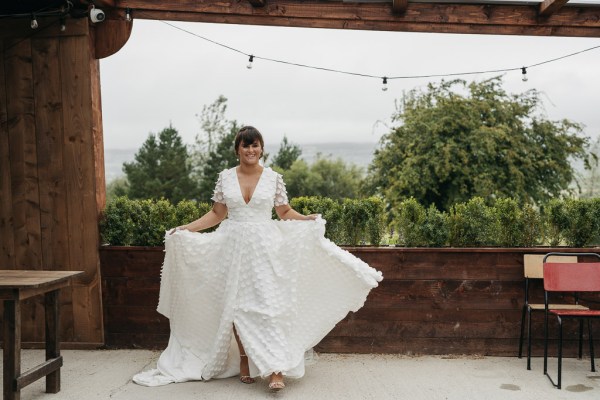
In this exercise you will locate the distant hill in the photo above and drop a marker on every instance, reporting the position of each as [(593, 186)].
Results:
[(360, 154)]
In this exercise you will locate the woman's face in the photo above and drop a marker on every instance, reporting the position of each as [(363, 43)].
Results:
[(249, 153)]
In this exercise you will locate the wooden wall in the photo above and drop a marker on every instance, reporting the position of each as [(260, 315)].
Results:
[(445, 301), (51, 168)]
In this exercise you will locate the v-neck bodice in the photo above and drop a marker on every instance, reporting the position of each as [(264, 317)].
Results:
[(255, 186), (269, 191)]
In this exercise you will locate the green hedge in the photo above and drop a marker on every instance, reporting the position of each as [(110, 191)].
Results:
[(505, 223), (127, 222)]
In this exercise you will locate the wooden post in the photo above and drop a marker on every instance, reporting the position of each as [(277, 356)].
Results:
[(52, 339), (12, 348)]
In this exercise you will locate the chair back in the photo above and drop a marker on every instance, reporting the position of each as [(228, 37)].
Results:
[(571, 277), (533, 264)]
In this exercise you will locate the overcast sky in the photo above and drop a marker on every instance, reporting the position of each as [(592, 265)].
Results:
[(164, 75)]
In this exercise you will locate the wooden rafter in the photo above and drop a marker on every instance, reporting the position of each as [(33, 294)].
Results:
[(549, 7), (257, 3), (399, 6), (495, 19)]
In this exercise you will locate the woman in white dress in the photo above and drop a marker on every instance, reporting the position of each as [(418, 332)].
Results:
[(253, 296)]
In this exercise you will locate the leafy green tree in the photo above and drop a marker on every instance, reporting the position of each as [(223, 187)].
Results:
[(160, 169), (590, 185), (213, 149), (288, 153), (116, 188), (325, 177), (457, 141)]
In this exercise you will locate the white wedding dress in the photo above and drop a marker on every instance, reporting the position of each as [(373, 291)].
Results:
[(281, 283)]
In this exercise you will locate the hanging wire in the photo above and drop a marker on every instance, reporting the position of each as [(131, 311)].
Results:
[(444, 75)]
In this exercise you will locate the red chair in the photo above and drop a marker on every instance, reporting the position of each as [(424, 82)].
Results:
[(575, 278)]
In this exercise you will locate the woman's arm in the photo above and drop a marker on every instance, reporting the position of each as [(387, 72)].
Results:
[(210, 219), (286, 212)]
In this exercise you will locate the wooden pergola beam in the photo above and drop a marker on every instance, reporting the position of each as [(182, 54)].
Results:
[(549, 7), (257, 3), (399, 6), (495, 19)]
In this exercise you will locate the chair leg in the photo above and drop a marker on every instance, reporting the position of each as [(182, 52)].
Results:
[(546, 343), (522, 330), (580, 339), (528, 339), (560, 332), (591, 345)]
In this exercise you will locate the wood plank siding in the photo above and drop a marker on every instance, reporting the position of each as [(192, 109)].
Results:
[(444, 301)]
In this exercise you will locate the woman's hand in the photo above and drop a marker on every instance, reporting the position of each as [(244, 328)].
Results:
[(311, 217), (179, 228)]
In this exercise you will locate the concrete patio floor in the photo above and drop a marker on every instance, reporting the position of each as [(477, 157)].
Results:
[(106, 374)]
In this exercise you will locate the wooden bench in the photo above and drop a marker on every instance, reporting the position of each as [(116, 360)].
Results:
[(17, 285)]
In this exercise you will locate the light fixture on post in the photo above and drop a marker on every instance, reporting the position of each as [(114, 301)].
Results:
[(524, 74), (34, 24), (384, 87), (250, 61)]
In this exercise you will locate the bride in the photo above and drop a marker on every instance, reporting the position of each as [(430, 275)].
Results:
[(253, 296)]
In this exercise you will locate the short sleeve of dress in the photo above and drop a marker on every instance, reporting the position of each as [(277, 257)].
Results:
[(218, 193), (281, 197)]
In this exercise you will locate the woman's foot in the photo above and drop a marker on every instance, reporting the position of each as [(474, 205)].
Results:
[(276, 382), (245, 370)]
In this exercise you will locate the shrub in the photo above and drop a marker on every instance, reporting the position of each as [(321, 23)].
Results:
[(471, 224), (555, 220), (375, 223), (410, 221), (580, 224), (435, 227), (116, 224)]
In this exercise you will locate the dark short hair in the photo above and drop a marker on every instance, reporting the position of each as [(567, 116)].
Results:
[(248, 135)]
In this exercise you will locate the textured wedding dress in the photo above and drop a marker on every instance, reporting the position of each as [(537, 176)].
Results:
[(281, 283)]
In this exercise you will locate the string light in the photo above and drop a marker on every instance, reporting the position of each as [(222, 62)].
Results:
[(385, 79), (34, 23), (128, 14), (63, 26)]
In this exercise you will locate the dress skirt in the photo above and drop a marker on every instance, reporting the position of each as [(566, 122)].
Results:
[(282, 284)]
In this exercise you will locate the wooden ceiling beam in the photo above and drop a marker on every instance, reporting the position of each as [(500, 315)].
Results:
[(549, 7), (399, 6), (498, 19), (257, 3)]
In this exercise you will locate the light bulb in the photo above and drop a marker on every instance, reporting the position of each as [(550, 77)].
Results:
[(128, 14), (34, 23), (63, 26), (250, 60), (384, 87), (524, 74)]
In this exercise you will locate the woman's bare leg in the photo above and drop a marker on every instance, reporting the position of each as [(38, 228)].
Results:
[(244, 367)]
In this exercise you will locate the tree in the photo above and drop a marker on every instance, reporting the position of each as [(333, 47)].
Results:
[(451, 147), (325, 177), (287, 154), (161, 169), (213, 149), (590, 185)]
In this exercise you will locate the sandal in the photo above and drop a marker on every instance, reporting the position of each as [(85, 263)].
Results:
[(247, 379), (276, 386)]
